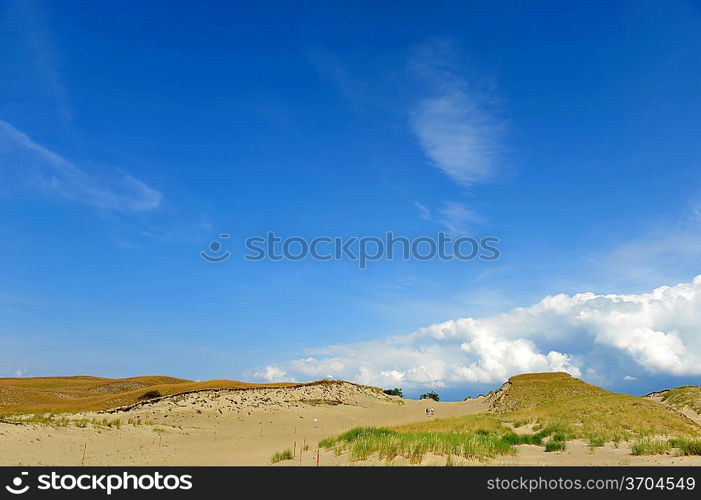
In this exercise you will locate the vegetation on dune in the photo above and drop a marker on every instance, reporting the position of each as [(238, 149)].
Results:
[(583, 411), (687, 396), (150, 395), (596, 442), (363, 442), (676, 446), (281, 455), (430, 395), (557, 442), (686, 446), (608, 418), (650, 446), (477, 437), (482, 422), (532, 390), (485, 424), (394, 392), (74, 394), (547, 409), (541, 409), (555, 446), (65, 421)]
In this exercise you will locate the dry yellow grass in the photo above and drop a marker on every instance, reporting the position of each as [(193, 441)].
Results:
[(684, 397), (82, 393), (553, 407), (481, 422), (533, 390), (585, 411)]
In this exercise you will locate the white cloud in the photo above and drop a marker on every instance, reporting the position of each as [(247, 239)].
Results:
[(331, 68), (598, 337), (274, 373), (40, 53), (54, 174), (455, 124), (456, 218), (669, 248), (424, 211)]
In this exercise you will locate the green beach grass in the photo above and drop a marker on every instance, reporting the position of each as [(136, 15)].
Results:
[(548, 409), (364, 442)]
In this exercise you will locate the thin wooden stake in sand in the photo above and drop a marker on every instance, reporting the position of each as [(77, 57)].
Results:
[(294, 450), (317, 458), (82, 460)]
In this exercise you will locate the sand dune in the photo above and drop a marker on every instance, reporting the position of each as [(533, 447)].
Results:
[(70, 394), (212, 427), (247, 426), (686, 400)]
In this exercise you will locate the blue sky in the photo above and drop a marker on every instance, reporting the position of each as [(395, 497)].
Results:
[(132, 135)]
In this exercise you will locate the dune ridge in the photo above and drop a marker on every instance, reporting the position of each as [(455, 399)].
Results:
[(234, 423), (85, 393), (685, 400)]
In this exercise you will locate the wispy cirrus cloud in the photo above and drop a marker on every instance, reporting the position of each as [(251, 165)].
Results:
[(458, 129), (669, 248), (42, 56), (456, 218), (331, 68), (40, 167), (47, 171), (455, 121), (455, 124)]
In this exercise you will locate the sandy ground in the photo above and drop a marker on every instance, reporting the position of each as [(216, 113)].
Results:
[(247, 427)]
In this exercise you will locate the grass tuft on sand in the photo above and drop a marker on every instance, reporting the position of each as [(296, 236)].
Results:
[(650, 446), (281, 456), (363, 442), (677, 446), (686, 446), (64, 421), (478, 437)]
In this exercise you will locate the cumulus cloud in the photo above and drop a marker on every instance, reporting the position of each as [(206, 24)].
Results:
[(454, 123), (589, 335), (274, 373), (52, 173)]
